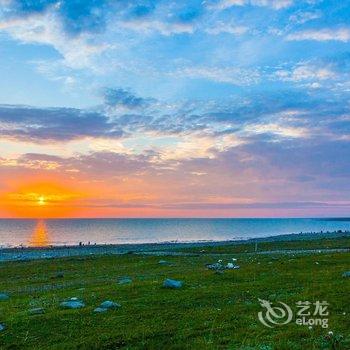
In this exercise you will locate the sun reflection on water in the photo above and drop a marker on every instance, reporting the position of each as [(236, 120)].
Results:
[(40, 235)]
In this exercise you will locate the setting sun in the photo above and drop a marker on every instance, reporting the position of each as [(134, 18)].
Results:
[(41, 200)]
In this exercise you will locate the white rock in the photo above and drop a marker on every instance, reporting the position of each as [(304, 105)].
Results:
[(109, 305), (172, 284), (100, 310), (72, 304)]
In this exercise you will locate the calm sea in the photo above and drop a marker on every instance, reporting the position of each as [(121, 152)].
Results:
[(72, 231)]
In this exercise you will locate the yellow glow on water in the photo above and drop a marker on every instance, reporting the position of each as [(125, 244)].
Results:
[(40, 236)]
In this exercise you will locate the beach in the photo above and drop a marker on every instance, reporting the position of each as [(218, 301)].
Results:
[(31, 253)]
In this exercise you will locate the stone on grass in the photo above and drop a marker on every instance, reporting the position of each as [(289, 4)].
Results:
[(109, 305), (4, 296), (59, 274), (36, 311), (215, 266), (100, 310), (219, 266), (231, 266), (72, 303), (164, 263), (174, 284), (124, 280), (2, 327), (346, 274)]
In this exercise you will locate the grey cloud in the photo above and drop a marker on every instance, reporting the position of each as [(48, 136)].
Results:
[(54, 124), (123, 98)]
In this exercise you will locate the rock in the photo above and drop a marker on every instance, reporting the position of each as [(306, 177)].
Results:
[(124, 280), (219, 266), (2, 327), (346, 274), (215, 266), (59, 275), (174, 284), (164, 263), (72, 304), (109, 305), (231, 266), (36, 311), (4, 296), (100, 310)]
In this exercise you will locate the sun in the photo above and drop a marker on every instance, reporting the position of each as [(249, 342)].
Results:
[(41, 200), (44, 199)]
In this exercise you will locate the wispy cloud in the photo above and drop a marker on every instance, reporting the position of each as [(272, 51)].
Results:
[(222, 27), (305, 71), (325, 34), (275, 4), (154, 26), (46, 29), (230, 75)]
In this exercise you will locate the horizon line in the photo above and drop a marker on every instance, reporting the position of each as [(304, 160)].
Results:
[(179, 217)]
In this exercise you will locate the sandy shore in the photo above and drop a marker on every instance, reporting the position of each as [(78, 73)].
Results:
[(32, 253)]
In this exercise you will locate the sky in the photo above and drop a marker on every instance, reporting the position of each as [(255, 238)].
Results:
[(144, 108)]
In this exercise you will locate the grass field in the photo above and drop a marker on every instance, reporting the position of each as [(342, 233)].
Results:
[(211, 311)]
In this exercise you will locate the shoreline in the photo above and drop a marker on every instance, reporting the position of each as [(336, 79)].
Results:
[(50, 252)]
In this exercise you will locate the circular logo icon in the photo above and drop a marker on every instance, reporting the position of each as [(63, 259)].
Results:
[(274, 315)]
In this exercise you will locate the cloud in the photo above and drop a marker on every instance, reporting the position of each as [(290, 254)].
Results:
[(275, 4), (326, 34), (155, 26), (130, 124), (54, 124), (46, 28), (301, 17), (123, 98), (230, 75), (258, 205), (280, 130), (222, 27), (76, 17), (327, 73), (304, 71)]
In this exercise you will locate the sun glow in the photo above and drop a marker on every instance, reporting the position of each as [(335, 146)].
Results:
[(42, 200), (40, 236)]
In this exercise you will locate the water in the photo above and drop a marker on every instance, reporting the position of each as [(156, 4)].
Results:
[(72, 231)]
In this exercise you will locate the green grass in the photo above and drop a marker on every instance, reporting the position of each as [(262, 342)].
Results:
[(211, 311), (326, 243)]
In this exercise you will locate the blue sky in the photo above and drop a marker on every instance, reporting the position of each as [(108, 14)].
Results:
[(211, 92)]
